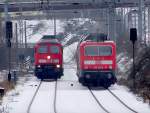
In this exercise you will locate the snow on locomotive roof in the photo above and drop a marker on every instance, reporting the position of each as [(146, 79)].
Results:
[(109, 41), (94, 37), (95, 42), (48, 39), (85, 41)]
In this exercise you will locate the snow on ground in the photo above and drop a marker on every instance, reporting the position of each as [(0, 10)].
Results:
[(69, 52), (130, 99), (20, 96), (47, 30), (110, 102), (44, 100), (75, 99), (124, 64)]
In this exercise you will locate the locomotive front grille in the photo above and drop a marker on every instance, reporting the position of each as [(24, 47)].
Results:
[(48, 66)]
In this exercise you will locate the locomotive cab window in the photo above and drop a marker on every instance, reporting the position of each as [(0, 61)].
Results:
[(54, 49), (105, 50), (42, 49), (98, 51), (91, 51)]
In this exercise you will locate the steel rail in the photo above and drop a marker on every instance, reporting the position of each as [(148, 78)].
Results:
[(31, 102), (98, 101), (55, 97), (122, 101)]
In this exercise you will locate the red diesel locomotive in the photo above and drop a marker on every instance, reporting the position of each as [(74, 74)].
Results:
[(48, 59), (96, 63)]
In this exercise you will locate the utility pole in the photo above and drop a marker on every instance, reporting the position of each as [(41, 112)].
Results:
[(8, 35), (111, 23), (140, 20), (148, 24), (16, 28), (54, 25), (25, 34)]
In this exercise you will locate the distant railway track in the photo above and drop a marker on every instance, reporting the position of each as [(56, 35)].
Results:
[(33, 98), (115, 96), (101, 106)]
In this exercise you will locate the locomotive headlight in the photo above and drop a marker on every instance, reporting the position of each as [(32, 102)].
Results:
[(58, 66), (38, 66), (48, 57)]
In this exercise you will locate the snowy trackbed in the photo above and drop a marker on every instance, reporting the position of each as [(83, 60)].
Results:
[(115, 96), (32, 108), (96, 99), (67, 95), (101, 106), (122, 105)]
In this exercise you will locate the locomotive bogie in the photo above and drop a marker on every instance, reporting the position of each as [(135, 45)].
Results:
[(97, 78), (48, 71)]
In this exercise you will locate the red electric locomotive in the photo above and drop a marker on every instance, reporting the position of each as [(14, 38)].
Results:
[(48, 58), (96, 63)]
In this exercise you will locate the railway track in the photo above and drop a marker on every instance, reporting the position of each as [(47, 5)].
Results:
[(55, 96), (36, 92), (96, 99), (31, 102), (100, 103), (115, 96)]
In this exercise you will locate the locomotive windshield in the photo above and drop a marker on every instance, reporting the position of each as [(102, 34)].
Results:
[(43, 49), (98, 51), (54, 49)]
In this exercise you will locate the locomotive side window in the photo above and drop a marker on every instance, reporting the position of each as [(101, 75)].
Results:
[(54, 49), (98, 51), (43, 49)]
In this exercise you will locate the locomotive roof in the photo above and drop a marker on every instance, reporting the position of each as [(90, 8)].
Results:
[(95, 37), (53, 41), (49, 37), (93, 42)]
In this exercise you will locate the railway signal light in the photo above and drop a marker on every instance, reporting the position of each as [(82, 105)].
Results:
[(9, 35), (133, 38), (9, 30), (133, 35)]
